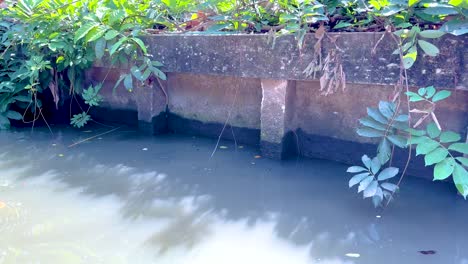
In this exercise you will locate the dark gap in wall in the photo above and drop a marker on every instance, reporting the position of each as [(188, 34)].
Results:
[(118, 116), (348, 152), (178, 124)]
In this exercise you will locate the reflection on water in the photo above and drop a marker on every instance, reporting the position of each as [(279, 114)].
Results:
[(108, 201)]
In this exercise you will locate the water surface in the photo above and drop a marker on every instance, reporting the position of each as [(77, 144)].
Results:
[(127, 198)]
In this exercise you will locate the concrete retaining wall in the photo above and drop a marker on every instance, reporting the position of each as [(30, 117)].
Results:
[(257, 93)]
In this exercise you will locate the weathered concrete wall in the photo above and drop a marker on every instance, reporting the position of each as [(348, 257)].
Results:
[(326, 125), (202, 105), (242, 88), (257, 56)]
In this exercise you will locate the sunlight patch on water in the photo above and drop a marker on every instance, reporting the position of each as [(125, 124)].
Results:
[(44, 220)]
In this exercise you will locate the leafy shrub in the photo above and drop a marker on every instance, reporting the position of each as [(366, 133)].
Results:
[(55, 41)]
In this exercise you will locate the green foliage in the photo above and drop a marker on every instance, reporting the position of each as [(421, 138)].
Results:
[(440, 149), (17, 77), (55, 41), (91, 95), (385, 123), (373, 182), (80, 120), (302, 16)]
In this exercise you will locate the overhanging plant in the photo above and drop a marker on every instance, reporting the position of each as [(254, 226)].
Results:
[(59, 39), (442, 149)]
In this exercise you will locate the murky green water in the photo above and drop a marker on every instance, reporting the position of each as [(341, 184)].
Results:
[(126, 198)]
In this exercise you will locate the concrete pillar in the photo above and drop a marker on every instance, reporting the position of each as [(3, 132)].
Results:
[(151, 106), (274, 117)]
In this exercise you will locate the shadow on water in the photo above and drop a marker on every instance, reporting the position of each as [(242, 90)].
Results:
[(235, 198)]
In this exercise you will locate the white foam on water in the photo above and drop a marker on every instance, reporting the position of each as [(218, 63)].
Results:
[(46, 221)]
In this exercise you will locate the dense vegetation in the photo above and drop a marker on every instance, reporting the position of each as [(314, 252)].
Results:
[(48, 44)]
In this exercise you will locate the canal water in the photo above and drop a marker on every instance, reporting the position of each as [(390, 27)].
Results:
[(127, 198)]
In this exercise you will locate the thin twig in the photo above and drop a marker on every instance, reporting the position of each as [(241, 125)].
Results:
[(234, 137), (93, 137), (164, 91), (403, 75), (226, 122)]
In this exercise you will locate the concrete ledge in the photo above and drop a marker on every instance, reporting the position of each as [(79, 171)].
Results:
[(257, 56)]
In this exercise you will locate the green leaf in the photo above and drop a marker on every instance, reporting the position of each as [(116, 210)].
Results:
[(342, 24), (460, 178), (122, 77), (436, 156), (422, 91), (84, 29), (430, 92), (432, 130), (95, 34), (100, 48), (441, 95), (366, 161), (428, 48), (402, 118), (436, 9), (128, 82), (459, 3), (117, 45), (375, 165), (14, 115), (370, 122), (156, 64), (146, 74), (416, 132), (459, 147), (389, 186), (358, 178), (449, 136), (111, 34), (432, 34), (91, 96), (137, 73), (408, 62), (22, 98), (417, 140), (463, 161), (426, 146), (456, 26), (404, 25), (410, 58), (376, 115), (80, 120), (413, 2), (388, 173), (444, 169), (141, 45), (384, 151), (378, 197), (365, 183), (398, 140), (391, 10), (161, 75), (355, 169), (371, 190), (387, 109), (414, 97), (369, 132)]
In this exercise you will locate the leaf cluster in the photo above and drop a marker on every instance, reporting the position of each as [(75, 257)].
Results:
[(373, 180)]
